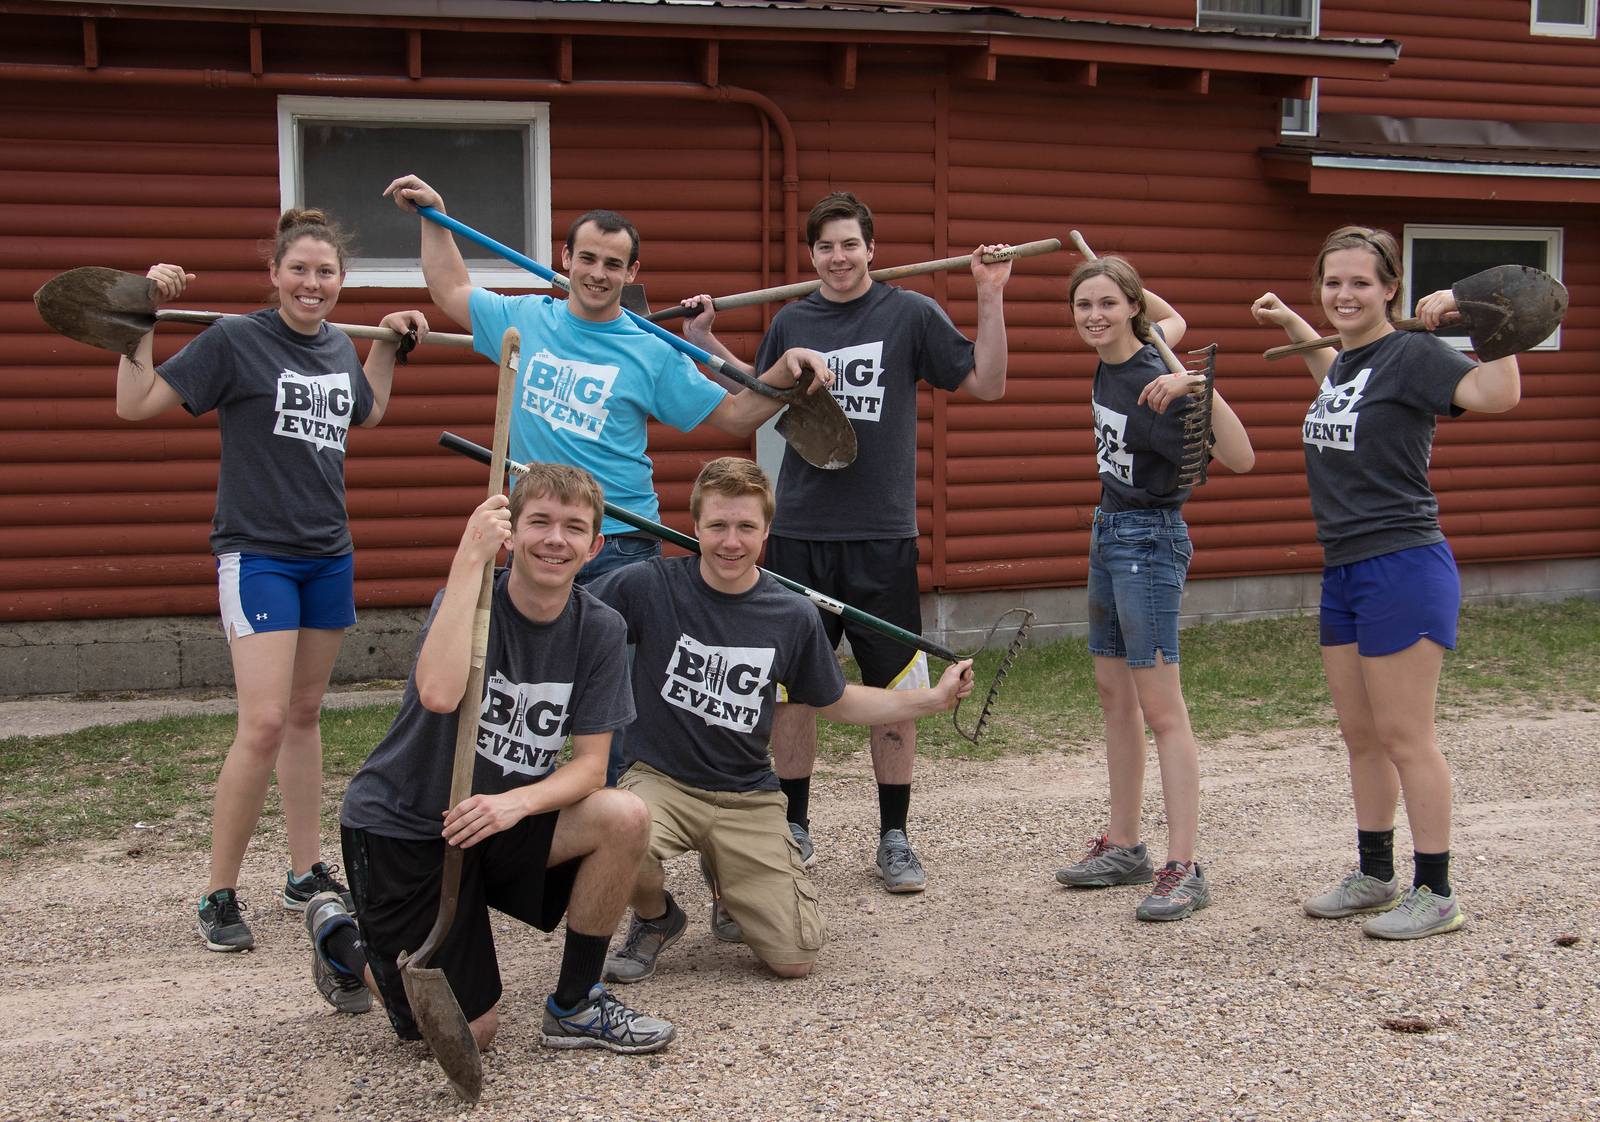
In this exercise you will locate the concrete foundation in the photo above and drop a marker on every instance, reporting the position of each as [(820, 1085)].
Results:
[(170, 652)]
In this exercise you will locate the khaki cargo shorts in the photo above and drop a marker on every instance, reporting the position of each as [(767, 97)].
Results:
[(744, 837)]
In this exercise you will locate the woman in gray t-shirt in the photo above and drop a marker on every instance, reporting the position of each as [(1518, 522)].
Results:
[(286, 388), (1390, 591)]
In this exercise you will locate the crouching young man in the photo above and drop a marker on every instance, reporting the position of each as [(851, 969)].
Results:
[(716, 637), (540, 840)]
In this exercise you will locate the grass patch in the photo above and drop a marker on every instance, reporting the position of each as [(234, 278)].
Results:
[(91, 786)]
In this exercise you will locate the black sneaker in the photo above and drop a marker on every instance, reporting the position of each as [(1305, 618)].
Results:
[(646, 940), (221, 925), (298, 893)]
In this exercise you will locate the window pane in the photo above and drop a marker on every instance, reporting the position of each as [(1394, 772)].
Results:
[(1439, 262), (1560, 11), (480, 172), (1292, 17), (1296, 114)]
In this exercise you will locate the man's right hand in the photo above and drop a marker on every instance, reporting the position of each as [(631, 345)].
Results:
[(410, 192), (487, 530)]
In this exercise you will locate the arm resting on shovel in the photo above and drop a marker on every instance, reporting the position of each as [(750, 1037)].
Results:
[(743, 413), (443, 662), (1490, 387), (141, 392), (482, 816)]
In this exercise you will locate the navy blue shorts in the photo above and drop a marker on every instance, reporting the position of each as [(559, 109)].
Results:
[(260, 593), (1138, 561), (1385, 604)]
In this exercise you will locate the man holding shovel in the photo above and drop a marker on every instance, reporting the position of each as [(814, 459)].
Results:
[(852, 533), (540, 840)]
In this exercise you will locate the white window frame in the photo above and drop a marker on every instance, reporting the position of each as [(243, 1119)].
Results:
[(1553, 236), (1311, 114), (1567, 30), (1311, 102), (534, 115)]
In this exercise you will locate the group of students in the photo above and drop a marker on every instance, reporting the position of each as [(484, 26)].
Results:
[(689, 687)]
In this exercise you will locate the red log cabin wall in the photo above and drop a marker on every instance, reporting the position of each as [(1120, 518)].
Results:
[(103, 518)]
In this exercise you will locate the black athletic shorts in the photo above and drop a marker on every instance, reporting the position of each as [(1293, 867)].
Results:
[(396, 888), (878, 576)]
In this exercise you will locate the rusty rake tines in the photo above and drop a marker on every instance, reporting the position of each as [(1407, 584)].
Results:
[(1197, 421), (1000, 674)]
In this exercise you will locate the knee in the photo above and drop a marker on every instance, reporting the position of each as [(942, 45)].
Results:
[(305, 712), (623, 818), (261, 734), (484, 1028), (790, 969)]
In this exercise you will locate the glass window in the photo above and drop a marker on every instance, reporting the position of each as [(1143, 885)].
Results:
[(1272, 17), (490, 160), (1438, 256), (1563, 17)]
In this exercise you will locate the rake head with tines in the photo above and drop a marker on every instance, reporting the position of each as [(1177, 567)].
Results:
[(1000, 675), (1197, 421)]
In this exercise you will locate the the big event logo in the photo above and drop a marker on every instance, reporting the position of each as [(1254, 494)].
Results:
[(522, 725), (722, 684), (314, 408), (858, 380), (569, 395)]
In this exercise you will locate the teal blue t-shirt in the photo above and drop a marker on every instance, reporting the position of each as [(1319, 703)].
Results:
[(585, 390)]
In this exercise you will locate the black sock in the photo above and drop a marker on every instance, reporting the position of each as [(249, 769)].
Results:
[(1377, 853), (798, 792), (342, 945), (581, 962), (1433, 870), (894, 803)]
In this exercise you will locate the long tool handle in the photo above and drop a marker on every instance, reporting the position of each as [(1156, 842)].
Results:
[(1173, 364), (705, 358), (354, 330), (1332, 341), (466, 755), (805, 288), (910, 638)]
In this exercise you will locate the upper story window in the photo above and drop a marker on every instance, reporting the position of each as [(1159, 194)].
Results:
[(1273, 17), (1438, 256), (490, 160), (1562, 17)]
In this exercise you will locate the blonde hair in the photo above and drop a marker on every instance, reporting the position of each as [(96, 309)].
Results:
[(1384, 249), (571, 485), (734, 478), (1125, 277)]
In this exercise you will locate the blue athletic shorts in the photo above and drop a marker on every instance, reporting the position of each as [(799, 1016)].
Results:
[(1138, 561), (1385, 604), (260, 593)]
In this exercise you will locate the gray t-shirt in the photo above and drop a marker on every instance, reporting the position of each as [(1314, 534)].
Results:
[(707, 668), (1137, 450), (542, 682), (285, 402), (1369, 482), (879, 346)]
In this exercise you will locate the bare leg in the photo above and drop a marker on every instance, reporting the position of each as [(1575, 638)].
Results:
[(484, 1028), (1125, 747), (263, 668), (300, 757), (794, 741), (1402, 689), (894, 749), (607, 833), (1161, 700), (649, 896), (1374, 782)]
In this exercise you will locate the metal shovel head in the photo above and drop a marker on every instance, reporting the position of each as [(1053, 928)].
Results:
[(438, 1015), (634, 300), (1509, 308), (104, 308), (815, 426)]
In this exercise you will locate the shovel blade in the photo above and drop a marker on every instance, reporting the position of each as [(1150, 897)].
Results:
[(634, 300), (1510, 308), (104, 308), (443, 1025), (815, 426)]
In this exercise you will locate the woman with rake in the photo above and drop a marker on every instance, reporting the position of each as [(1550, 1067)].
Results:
[(1139, 556), (1390, 590), (286, 387)]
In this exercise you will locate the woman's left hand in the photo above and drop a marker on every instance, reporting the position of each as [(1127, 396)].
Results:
[(1163, 391), (401, 322), (1438, 308)]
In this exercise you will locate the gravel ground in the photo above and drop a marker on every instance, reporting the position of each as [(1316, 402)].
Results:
[(996, 995)]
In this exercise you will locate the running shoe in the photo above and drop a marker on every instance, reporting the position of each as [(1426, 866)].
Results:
[(1418, 914), (802, 838), (221, 924), (1106, 864), (298, 891), (341, 989), (602, 1021), (645, 942), (723, 925), (1357, 894), (1180, 890), (898, 866)]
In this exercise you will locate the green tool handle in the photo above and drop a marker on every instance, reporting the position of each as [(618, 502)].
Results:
[(855, 615)]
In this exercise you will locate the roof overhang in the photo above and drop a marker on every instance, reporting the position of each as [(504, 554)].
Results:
[(1325, 174)]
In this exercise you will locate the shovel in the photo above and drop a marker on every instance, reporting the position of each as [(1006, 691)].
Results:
[(113, 310), (1506, 310), (433, 1004)]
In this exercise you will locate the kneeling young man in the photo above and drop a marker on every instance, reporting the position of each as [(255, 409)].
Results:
[(716, 637), (540, 840)]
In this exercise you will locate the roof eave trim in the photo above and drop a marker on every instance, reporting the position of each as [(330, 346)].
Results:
[(1448, 167)]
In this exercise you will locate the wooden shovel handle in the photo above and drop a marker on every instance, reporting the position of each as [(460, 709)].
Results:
[(1330, 341), (354, 330), (1173, 365), (805, 288)]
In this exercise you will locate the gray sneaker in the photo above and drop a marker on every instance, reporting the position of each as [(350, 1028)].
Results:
[(1106, 864), (1419, 914), (723, 925), (340, 989), (1180, 890), (1357, 894), (646, 940), (808, 852), (601, 1021), (221, 925), (898, 866)]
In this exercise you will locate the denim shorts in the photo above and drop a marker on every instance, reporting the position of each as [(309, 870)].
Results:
[(1385, 604), (1138, 560), (618, 551), (259, 593)]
